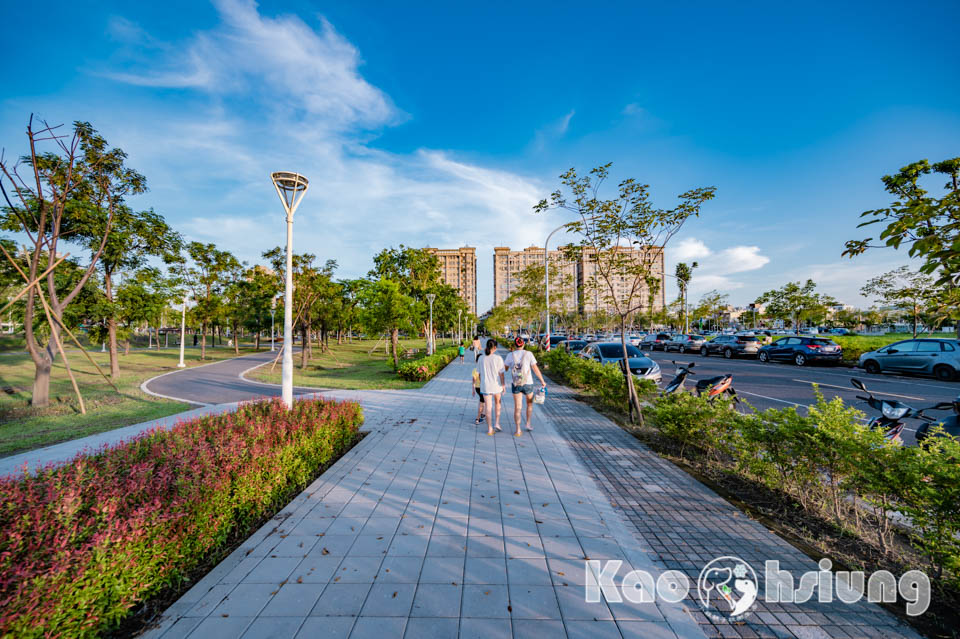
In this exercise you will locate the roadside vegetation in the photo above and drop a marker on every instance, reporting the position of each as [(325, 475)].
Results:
[(89, 542), (25, 427), (823, 479)]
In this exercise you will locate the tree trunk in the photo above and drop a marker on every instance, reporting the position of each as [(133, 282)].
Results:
[(203, 341), (632, 397), (111, 328), (41, 383), (394, 341), (304, 346), (258, 341), (126, 346), (236, 340)]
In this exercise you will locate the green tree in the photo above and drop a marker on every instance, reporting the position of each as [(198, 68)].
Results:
[(711, 306), (901, 287), (928, 225), (797, 301), (140, 299), (387, 309), (208, 275), (258, 288), (605, 227), (71, 194), (684, 273)]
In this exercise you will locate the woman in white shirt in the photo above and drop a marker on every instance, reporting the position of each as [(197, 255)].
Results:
[(522, 366), (491, 384)]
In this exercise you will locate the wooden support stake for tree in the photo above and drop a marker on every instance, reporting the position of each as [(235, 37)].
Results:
[(43, 300), (33, 283), (63, 353)]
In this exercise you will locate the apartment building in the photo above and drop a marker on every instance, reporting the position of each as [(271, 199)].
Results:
[(593, 298), (508, 264), (458, 268)]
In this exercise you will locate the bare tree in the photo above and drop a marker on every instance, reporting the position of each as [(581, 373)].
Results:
[(68, 195)]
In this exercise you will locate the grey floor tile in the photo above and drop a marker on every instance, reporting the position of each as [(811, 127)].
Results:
[(378, 627), (485, 570), (538, 629), (326, 627), (524, 546), (272, 570), (294, 546), (567, 571), (273, 628), (529, 571), (350, 526), (181, 628), (221, 627), (485, 601), (646, 630), (400, 570), (293, 600), (534, 602), (563, 547), (447, 546), (370, 545), (450, 525), (357, 570), (485, 628), (628, 611), (409, 546), (341, 600), (210, 600), (380, 526), (442, 570), (389, 600), (316, 569), (582, 629), (336, 545), (431, 628), (245, 600), (485, 547), (573, 605), (437, 600)]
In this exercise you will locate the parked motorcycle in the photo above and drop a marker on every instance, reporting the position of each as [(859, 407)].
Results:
[(951, 425), (892, 412), (713, 386)]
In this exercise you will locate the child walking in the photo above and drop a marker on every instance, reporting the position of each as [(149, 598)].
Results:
[(461, 352), (476, 391)]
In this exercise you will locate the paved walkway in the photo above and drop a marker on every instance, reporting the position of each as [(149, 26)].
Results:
[(430, 528)]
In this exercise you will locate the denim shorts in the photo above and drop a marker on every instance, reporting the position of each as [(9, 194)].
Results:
[(525, 389)]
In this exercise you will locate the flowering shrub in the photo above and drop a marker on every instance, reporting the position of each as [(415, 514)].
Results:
[(84, 542), (420, 370)]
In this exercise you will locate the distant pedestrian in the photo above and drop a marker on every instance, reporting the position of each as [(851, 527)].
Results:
[(522, 366), (461, 351), (477, 347), (491, 384)]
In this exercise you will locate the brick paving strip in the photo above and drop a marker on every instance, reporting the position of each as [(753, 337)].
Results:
[(430, 528)]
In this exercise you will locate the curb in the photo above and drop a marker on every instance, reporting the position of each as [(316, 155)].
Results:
[(144, 388)]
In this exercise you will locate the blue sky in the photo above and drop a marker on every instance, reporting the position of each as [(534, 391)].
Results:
[(442, 123)]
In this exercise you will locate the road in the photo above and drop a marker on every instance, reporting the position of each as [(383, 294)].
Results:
[(217, 383), (777, 385)]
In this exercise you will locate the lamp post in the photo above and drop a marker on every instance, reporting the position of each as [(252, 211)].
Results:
[(273, 312), (459, 334), (291, 188), (183, 328), (430, 298), (546, 277)]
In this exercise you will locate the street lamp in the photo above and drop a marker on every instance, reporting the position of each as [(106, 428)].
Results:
[(546, 276), (273, 312), (459, 334), (430, 298), (291, 188), (183, 328)]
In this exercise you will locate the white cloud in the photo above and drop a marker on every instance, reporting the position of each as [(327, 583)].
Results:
[(738, 259), (209, 166), (633, 109), (719, 269), (689, 249)]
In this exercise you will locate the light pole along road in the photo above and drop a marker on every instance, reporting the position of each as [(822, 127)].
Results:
[(291, 187)]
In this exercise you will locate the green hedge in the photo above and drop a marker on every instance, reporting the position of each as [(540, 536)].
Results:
[(605, 380), (829, 460), (420, 370), (86, 542)]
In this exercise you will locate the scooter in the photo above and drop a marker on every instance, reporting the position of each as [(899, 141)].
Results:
[(892, 412), (951, 425), (713, 386)]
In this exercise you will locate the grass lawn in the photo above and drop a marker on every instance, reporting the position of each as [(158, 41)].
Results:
[(347, 366), (23, 428)]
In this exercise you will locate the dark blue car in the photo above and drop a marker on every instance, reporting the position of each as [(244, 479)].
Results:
[(802, 350)]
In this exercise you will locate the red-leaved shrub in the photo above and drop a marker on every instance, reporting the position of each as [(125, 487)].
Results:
[(82, 543)]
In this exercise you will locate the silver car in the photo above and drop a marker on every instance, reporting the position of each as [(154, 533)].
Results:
[(937, 357), (612, 353), (684, 343)]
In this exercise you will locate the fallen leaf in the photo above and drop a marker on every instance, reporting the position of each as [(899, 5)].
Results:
[(516, 492), (299, 580), (394, 595), (324, 552), (486, 592), (509, 608)]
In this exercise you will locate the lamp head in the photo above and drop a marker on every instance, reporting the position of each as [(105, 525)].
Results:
[(291, 188), (431, 297)]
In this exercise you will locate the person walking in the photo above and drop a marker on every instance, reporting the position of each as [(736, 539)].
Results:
[(491, 384), (522, 366), (477, 347), (461, 351), (475, 390)]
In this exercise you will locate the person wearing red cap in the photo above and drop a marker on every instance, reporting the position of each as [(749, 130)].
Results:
[(522, 366)]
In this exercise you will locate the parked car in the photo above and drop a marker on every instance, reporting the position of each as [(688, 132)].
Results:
[(731, 346), (635, 339), (655, 341), (802, 350), (684, 343), (574, 345), (612, 353), (937, 357)]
